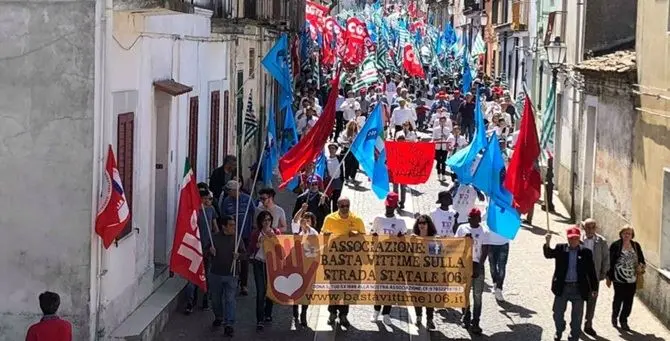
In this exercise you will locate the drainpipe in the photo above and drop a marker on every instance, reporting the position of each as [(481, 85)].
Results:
[(103, 29), (516, 64)]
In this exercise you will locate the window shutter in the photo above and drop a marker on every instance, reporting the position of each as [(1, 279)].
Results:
[(226, 120), (193, 132), (215, 104), (125, 138)]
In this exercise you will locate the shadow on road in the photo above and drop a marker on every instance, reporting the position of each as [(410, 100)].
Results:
[(511, 308), (523, 331)]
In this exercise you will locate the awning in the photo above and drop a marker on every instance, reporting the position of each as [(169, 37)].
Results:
[(172, 87)]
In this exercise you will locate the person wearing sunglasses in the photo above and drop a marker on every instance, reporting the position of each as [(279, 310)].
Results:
[(257, 254), (342, 223), (424, 227), (266, 198)]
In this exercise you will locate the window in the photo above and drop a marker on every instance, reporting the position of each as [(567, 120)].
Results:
[(214, 105), (252, 63), (226, 120), (193, 132), (125, 133), (494, 11)]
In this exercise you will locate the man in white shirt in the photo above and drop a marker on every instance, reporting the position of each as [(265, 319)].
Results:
[(444, 217), (464, 197), (440, 136), (480, 249), (349, 107), (388, 225), (306, 122), (456, 141), (401, 115)]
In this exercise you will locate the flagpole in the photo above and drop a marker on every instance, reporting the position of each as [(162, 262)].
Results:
[(209, 228)]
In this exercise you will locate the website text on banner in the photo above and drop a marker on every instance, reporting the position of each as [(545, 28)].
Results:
[(366, 270)]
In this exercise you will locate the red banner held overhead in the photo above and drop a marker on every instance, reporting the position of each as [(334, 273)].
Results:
[(355, 36), (411, 63), (315, 14), (409, 163)]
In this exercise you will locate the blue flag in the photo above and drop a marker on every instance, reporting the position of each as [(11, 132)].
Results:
[(290, 134), (467, 73), (503, 219), (490, 173), (276, 65), (461, 162), (320, 167), (368, 148), (271, 156)]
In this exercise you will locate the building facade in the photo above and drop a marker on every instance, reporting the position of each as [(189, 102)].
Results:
[(158, 81), (651, 153)]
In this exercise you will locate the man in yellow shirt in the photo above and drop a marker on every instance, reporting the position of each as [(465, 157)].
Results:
[(342, 223)]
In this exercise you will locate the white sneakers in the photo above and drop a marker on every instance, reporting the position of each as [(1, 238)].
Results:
[(499, 295), (385, 318), (375, 316)]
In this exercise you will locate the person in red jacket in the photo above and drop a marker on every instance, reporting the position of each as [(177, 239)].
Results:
[(51, 327)]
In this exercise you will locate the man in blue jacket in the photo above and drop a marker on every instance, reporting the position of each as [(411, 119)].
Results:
[(240, 206)]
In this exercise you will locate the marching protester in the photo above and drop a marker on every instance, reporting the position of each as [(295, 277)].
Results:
[(498, 253), (601, 259), (349, 107), (303, 225), (466, 116), (444, 217), (626, 273), (51, 327), (573, 281), (345, 140), (440, 137), (400, 188), (257, 253), (221, 175), (424, 227), (342, 223), (222, 280), (240, 206), (317, 202), (266, 196), (388, 225), (402, 114), (456, 141), (207, 226), (334, 174), (480, 250)]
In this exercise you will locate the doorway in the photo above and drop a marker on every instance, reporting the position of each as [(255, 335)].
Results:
[(162, 102)]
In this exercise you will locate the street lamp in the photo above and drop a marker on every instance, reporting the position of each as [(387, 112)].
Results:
[(556, 52), (483, 19)]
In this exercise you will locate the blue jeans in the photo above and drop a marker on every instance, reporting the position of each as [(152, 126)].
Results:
[(477, 290), (263, 303), (192, 289), (570, 294), (498, 262), (223, 289)]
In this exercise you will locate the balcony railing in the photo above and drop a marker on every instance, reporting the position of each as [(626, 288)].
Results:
[(282, 14), (520, 15)]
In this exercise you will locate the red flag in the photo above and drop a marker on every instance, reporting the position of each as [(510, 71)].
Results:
[(523, 178), (411, 63), (409, 163), (355, 36), (186, 258), (312, 143), (113, 212)]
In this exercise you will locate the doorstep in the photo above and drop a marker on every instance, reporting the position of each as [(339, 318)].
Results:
[(149, 319)]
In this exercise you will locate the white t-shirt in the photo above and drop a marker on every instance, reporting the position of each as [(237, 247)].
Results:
[(444, 221), (349, 108), (480, 236), (277, 212), (464, 201), (295, 228), (496, 239), (402, 115), (388, 226), (462, 142), (440, 136)]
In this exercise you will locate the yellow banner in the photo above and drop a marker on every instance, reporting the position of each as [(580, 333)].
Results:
[(367, 270)]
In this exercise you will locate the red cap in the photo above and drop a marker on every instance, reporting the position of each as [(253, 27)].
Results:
[(475, 212), (441, 94), (391, 200), (574, 232)]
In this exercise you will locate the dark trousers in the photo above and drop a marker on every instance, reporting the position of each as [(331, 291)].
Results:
[(334, 197), (570, 294), (396, 130), (441, 162), (624, 293), (296, 308), (339, 124), (429, 312), (468, 129), (342, 310), (498, 263), (591, 308), (263, 303), (350, 166), (244, 266), (385, 310), (401, 190)]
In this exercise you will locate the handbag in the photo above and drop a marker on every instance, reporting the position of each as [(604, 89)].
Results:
[(639, 281)]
